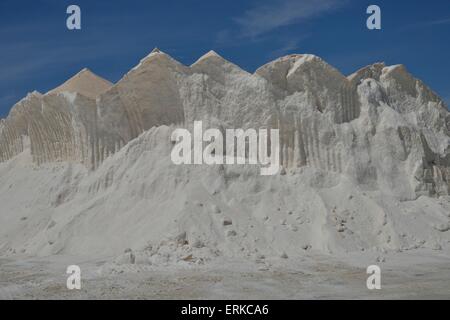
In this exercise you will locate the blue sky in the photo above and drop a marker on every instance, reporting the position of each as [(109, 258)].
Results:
[(37, 51)]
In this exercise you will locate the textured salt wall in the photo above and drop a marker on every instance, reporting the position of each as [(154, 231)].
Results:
[(381, 126)]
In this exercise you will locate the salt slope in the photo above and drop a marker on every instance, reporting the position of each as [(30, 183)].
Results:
[(166, 213), (362, 153), (380, 126)]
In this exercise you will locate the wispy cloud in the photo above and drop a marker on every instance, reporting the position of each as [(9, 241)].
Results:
[(426, 24), (19, 63), (280, 13), (289, 46), (438, 22), (259, 23)]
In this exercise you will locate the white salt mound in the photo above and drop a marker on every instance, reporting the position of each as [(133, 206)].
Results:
[(366, 164)]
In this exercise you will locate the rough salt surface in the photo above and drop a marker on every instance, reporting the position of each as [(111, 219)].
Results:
[(366, 161)]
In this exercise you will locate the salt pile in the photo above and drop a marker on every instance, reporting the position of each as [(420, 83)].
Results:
[(366, 165)]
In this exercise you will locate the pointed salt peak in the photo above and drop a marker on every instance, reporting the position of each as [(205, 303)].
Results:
[(210, 54), (82, 71), (212, 58), (156, 50), (85, 70), (84, 82)]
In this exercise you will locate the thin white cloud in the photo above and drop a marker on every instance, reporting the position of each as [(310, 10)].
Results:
[(438, 22), (280, 13), (21, 63), (289, 46), (426, 24)]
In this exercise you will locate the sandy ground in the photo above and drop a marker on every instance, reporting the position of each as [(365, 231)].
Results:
[(413, 275)]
